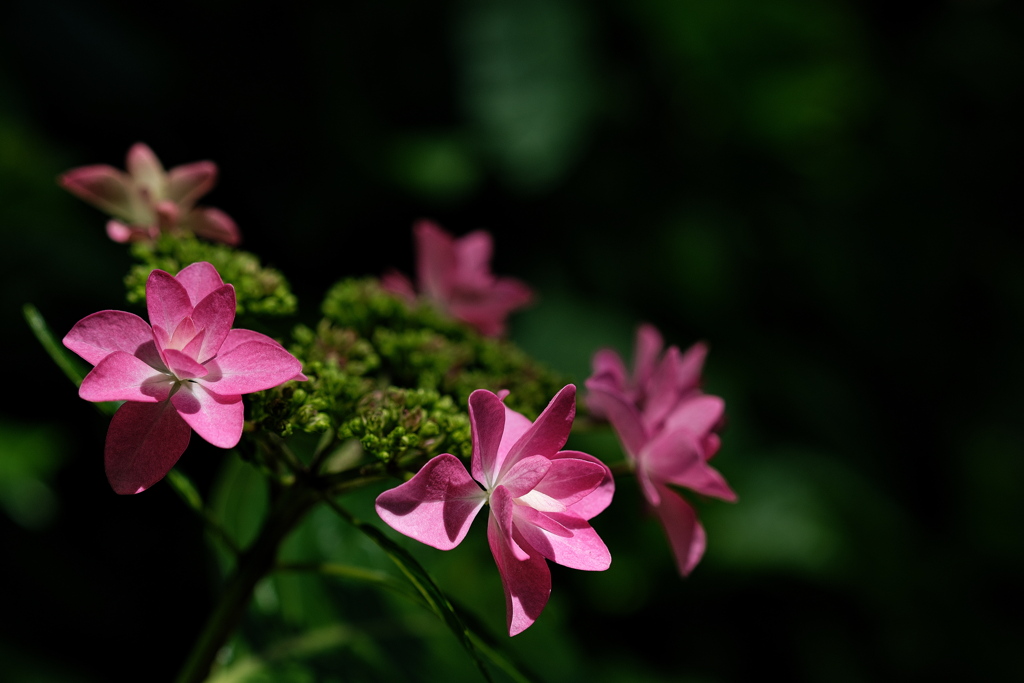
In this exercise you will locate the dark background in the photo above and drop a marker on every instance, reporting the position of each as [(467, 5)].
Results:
[(826, 192)]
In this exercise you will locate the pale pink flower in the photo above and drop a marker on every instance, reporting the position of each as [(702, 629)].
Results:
[(667, 429), (188, 371), (541, 499), (455, 275), (148, 200)]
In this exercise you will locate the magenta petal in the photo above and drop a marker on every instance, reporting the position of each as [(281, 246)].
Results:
[(624, 417), (143, 443), (568, 479), (218, 419), (214, 314), (100, 334), (487, 420), (597, 500), (527, 582), (121, 376), (104, 187), (684, 531), (398, 284), (213, 224), (549, 432), (121, 233), (663, 390), (435, 260), (167, 301), (573, 544), (183, 366), (251, 366), (435, 507), (645, 356), (525, 475), (699, 414), (199, 280), (187, 183), (473, 258), (238, 336)]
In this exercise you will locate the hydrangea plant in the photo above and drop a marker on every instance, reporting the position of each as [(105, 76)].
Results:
[(394, 389)]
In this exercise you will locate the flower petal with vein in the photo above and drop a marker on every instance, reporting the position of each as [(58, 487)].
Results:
[(184, 370), (541, 499)]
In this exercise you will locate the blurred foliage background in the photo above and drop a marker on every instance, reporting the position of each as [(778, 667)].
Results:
[(825, 191)]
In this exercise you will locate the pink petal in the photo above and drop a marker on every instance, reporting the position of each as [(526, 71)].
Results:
[(525, 475), (609, 373), (146, 170), (516, 424), (503, 512), (487, 309), (663, 391), (167, 301), (568, 480), (597, 500), (435, 507), (684, 531), (105, 187), (183, 366), (473, 259), (700, 414), (187, 183), (691, 365), (218, 419), (215, 314), (487, 421), (119, 232), (624, 417), (250, 366), (120, 376), (238, 336), (527, 582), (575, 545), (676, 457), (143, 443), (645, 356), (396, 283), (435, 260), (100, 334), (167, 215), (213, 224), (549, 432), (199, 279)]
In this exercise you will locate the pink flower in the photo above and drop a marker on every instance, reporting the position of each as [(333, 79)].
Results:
[(455, 275), (188, 371), (541, 499), (667, 428), (148, 200)]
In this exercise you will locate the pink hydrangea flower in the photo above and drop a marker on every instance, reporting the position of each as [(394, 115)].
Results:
[(667, 429), (541, 499), (455, 275), (148, 200), (187, 371)]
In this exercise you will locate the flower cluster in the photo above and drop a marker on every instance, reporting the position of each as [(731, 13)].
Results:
[(403, 381), (148, 200), (667, 427), (186, 369)]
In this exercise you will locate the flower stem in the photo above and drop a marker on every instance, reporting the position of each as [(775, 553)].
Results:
[(253, 564)]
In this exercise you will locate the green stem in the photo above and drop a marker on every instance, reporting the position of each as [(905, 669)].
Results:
[(256, 562)]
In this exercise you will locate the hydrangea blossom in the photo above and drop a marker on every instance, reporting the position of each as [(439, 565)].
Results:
[(186, 369), (667, 429), (455, 275), (541, 499), (148, 200)]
